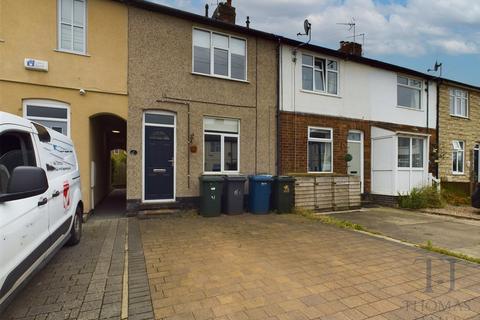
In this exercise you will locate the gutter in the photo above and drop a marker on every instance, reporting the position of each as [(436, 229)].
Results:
[(437, 128), (279, 74)]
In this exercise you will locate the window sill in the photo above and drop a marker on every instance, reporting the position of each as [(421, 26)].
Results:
[(72, 52), (460, 117), (458, 173), (219, 77), (411, 109), (2, 41), (321, 93), (319, 172), (223, 173)]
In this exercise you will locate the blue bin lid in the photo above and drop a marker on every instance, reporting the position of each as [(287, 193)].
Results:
[(261, 177)]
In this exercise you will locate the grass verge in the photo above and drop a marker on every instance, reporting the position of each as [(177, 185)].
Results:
[(344, 224), (430, 247)]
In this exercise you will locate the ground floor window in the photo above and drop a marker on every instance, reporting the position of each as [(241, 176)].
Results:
[(320, 149), (52, 114), (458, 156), (410, 152), (221, 145)]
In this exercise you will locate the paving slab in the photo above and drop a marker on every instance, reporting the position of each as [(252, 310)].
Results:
[(290, 267), (459, 235)]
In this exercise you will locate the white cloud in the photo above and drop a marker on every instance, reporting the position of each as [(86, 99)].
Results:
[(419, 27)]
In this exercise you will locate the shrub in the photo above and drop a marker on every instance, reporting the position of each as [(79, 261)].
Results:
[(426, 197)]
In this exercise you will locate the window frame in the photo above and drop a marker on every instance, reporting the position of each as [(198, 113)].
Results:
[(420, 89), (410, 154), (457, 151), (222, 146), (309, 139), (212, 53), (325, 72), (59, 26), (47, 104), (452, 95)]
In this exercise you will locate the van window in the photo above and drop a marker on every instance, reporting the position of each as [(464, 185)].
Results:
[(16, 149)]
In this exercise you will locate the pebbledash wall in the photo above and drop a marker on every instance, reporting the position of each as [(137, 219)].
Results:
[(161, 79), (465, 128), (366, 102)]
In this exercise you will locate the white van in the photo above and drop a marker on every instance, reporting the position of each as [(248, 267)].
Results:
[(40, 200)]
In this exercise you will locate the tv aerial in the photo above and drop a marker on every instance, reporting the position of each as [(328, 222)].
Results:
[(351, 26), (437, 67)]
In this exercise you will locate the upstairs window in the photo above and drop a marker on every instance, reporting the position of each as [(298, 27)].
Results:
[(458, 103), (72, 25), (409, 92), (319, 74), (458, 156), (219, 55)]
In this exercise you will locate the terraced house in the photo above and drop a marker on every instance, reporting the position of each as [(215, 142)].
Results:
[(459, 135), (342, 113), (63, 63), (202, 99)]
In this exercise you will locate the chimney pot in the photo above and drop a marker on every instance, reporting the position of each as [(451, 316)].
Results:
[(225, 12), (350, 47)]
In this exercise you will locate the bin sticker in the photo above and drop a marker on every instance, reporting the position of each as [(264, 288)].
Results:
[(237, 193), (286, 189), (212, 197), (212, 188)]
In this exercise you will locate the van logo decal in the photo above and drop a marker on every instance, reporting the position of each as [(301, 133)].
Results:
[(66, 195)]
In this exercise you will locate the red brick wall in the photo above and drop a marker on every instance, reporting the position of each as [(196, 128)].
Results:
[(293, 140)]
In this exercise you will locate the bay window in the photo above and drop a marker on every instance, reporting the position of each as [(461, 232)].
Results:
[(320, 75), (410, 152), (320, 149), (219, 55), (221, 145)]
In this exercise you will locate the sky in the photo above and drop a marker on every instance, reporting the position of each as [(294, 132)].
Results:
[(409, 33)]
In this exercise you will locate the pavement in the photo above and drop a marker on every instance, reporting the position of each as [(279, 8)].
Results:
[(183, 266), (455, 234)]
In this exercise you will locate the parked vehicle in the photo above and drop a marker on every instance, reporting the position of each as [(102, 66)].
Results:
[(476, 197), (40, 199)]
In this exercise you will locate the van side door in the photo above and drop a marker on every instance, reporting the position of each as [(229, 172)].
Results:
[(58, 160), (24, 234)]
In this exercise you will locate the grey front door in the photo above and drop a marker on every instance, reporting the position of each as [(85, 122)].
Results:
[(159, 163)]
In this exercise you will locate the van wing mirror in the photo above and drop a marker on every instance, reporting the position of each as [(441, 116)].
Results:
[(25, 182)]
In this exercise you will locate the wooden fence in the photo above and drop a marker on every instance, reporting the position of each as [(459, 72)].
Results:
[(327, 193)]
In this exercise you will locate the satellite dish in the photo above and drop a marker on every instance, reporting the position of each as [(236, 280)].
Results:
[(307, 26)]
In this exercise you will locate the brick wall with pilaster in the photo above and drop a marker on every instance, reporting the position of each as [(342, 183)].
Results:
[(294, 141), (457, 128)]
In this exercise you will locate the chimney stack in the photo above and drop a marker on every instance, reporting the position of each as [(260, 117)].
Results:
[(225, 12), (350, 47)]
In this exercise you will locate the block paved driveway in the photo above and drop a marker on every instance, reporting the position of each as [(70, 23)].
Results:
[(244, 267)]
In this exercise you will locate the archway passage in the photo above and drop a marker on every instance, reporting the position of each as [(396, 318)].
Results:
[(108, 164)]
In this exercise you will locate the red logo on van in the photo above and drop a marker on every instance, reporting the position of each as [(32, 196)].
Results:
[(66, 195)]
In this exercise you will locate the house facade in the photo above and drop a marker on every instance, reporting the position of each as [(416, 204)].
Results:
[(459, 135), (345, 114), (202, 100), (64, 64)]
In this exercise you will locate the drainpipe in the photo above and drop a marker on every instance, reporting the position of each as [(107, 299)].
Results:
[(437, 138), (279, 75)]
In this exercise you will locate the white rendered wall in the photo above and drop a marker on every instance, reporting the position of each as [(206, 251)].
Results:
[(365, 92)]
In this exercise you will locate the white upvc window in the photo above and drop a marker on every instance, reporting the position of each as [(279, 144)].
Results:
[(409, 92), (72, 24), (320, 149), (458, 156), (319, 74), (221, 145), (51, 114), (219, 55), (410, 152), (458, 102)]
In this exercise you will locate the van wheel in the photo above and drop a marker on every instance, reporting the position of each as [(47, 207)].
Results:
[(76, 230)]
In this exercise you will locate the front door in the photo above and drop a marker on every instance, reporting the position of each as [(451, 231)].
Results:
[(159, 161), (355, 149), (476, 163)]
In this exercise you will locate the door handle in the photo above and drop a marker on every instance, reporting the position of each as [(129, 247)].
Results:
[(42, 202), (56, 194), (159, 170)]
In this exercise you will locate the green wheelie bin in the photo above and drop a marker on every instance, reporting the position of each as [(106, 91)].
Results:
[(283, 194), (211, 189)]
